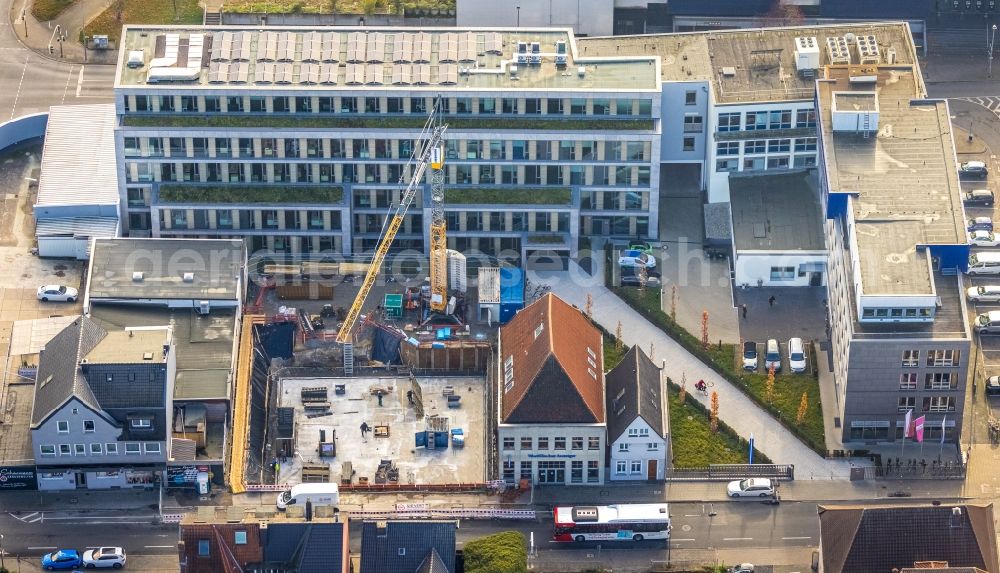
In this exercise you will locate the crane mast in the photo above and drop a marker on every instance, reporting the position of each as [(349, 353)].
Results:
[(439, 238), (429, 150)]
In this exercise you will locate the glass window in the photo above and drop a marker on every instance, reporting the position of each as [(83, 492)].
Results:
[(645, 110), (131, 448), (780, 119), (943, 357), (805, 118), (729, 121), (88, 426), (782, 273), (151, 447), (47, 450), (234, 103), (778, 145), (111, 449), (593, 472), (559, 443), (203, 545), (593, 443), (96, 450), (533, 105), (62, 426), (756, 120), (602, 106), (940, 381), (906, 403), (577, 443), (167, 103), (691, 97), (240, 537), (348, 105), (621, 466), (509, 105), (258, 104), (526, 442), (623, 107), (578, 106), (755, 146), (777, 163), (80, 449), (805, 144), (727, 165), (543, 443), (727, 148), (911, 358), (688, 144), (692, 122), (280, 104), (189, 104), (908, 381), (65, 450), (554, 106), (576, 472), (526, 470)]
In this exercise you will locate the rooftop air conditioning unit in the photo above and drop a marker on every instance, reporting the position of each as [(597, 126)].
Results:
[(806, 53), (188, 277), (204, 307), (137, 276), (581, 71)]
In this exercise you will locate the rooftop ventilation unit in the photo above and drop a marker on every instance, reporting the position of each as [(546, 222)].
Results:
[(836, 49), (188, 277), (728, 72), (581, 71), (868, 50), (561, 53), (806, 53), (522, 52), (137, 276), (536, 54), (204, 307)]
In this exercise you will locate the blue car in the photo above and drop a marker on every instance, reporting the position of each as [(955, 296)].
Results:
[(62, 559)]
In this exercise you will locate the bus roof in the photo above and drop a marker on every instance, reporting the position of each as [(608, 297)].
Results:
[(626, 512), (306, 488)]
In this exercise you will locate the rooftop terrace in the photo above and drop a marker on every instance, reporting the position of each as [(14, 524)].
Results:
[(345, 58), (754, 65)]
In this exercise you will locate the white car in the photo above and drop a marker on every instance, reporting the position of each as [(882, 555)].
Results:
[(752, 487), (984, 239), (634, 258), (796, 355), (983, 293), (104, 557), (57, 293)]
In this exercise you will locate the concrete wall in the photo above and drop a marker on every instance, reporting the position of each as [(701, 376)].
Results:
[(586, 17), (552, 431), (751, 266), (673, 109), (254, 19), (638, 450), (22, 129)]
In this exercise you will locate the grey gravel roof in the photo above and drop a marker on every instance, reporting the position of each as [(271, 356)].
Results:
[(380, 549), (59, 377), (634, 390)]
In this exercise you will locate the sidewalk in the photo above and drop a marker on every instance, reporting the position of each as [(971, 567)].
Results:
[(71, 21), (83, 500), (735, 408)]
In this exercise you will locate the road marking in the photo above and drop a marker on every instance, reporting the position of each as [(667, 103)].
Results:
[(737, 538), (151, 516), (79, 81), (791, 538), (47, 547), (159, 546), (33, 517), (678, 539), (19, 84), (692, 515), (69, 76)]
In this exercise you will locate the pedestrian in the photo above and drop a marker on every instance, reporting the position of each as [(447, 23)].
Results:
[(364, 428), (379, 396), (744, 308), (409, 396), (770, 301)]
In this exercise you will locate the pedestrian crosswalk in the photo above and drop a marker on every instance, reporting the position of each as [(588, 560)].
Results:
[(33, 517), (991, 103)]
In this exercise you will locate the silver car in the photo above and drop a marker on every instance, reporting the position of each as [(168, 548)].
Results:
[(57, 293), (752, 487)]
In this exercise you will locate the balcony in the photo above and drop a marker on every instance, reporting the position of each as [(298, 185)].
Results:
[(253, 194)]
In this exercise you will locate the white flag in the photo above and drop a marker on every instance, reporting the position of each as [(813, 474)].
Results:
[(907, 423), (943, 420)]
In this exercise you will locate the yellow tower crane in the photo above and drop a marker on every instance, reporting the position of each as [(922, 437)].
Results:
[(427, 152)]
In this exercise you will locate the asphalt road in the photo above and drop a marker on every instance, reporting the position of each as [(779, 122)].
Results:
[(30, 83)]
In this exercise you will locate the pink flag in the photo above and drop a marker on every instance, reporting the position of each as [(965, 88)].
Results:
[(918, 426), (907, 423)]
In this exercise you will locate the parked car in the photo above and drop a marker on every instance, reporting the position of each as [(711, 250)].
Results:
[(993, 386), (983, 293), (742, 568), (57, 293), (980, 224), (104, 557), (630, 277), (973, 169), (796, 355), (984, 239), (978, 197), (772, 355), (988, 323), (61, 559), (752, 487), (633, 258), (750, 355)]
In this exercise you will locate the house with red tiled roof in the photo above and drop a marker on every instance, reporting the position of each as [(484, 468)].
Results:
[(550, 364)]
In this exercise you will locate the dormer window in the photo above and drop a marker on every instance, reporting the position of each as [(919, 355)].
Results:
[(141, 423)]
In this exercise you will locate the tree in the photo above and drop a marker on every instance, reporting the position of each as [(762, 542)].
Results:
[(803, 407), (333, 6), (504, 552), (713, 413), (588, 308), (619, 344), (704, 330), (682, 393), (782, 14), (673, 303), (369, 7), (769, 388)]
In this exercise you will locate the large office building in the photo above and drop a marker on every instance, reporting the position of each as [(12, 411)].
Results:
[(299, 140)]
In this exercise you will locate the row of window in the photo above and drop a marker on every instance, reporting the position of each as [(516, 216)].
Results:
[(917, 313), (911, 358), (932, 381), (227, 219), (650, 447), (380, 105), (62, 426), (930, 404), (553, 472), (457, 149), (623, 175), (97, 449), (758, 146), (759, 163), (773, 119), (626, 467), (558, 443)]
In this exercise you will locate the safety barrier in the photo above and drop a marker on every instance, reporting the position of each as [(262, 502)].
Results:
[(414, 487), (173, 517), (256, 488), (447, 513), (241, 406)]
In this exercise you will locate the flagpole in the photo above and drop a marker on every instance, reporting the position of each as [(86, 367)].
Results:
[(941, 450)]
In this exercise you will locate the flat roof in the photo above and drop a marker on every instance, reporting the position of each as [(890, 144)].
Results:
[(750, 65), (777, 212), (949, 318), (131, 346), (351, 58), (214, 265), (902, 180), (78, 158), (203, 343)]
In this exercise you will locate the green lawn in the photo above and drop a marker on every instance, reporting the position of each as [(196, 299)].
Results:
[(250, 194), (612, 356), (694, 445), (542, 196), (144, 12), (788, 388), (340, 6), (44, 10)]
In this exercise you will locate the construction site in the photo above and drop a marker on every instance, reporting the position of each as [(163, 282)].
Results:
[(373, 373)]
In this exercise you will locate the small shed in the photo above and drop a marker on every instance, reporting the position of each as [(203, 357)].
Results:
[(488, 286), (511, 293)]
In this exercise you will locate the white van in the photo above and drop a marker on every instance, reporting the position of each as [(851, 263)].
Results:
[(984, 263), (796, 355), (317, 493)]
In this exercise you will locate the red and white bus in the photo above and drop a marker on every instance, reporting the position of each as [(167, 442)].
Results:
[(622, 522)]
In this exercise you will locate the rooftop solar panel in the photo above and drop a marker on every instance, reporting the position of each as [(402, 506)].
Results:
[(267, 47), (263, 73), (241, 46), (376, 47), (309, 73), (448, 47), (447, 74), (467, 47), (421, 74), (422, 47), (218, 73), (287, 42), (354, 74), (494, 43), (402, 48), (374, 74), (283, 73), (401, 74), (356, 47)]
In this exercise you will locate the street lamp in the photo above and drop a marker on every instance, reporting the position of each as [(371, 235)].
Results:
[(1, 551), (25, 20), (993, 37), (518, 16), (61, 39)]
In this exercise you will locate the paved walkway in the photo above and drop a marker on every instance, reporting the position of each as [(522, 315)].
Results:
[(735, 408), (37, 35)]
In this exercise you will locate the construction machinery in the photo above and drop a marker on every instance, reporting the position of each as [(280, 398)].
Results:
[(427, 153)]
